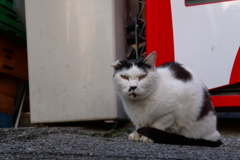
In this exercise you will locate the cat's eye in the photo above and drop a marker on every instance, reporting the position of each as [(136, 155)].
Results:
[(142, 77), (124, 77)]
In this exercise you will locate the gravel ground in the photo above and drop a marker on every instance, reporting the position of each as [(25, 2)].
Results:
[(83, 143)]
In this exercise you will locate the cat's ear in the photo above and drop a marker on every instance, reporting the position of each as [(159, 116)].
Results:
[(116, 64), (151, 59)]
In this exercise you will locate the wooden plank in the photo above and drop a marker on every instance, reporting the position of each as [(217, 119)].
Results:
[(7, 87), (13, 51), (13, 68), (6, 104)]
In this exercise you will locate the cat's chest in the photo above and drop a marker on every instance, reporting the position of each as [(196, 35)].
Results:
[(142, 113)]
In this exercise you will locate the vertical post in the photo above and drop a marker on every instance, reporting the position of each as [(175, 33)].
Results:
[(136, 37)]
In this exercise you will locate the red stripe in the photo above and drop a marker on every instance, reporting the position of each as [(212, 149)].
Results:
[(235, 75), (226, 101), (159, 30)]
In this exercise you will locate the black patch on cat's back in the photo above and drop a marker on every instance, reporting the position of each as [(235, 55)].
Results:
[(127, 64), (179, 72), (206, 106)]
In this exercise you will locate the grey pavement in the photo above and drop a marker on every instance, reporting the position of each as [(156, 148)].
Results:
[(80, 142)]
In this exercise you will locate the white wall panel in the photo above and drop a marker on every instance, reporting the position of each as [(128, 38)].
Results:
[(71, 45)]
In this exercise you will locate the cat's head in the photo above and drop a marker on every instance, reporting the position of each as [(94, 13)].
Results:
[(135, 79)]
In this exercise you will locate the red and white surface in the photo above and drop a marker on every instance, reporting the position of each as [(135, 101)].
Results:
[(204, 37)]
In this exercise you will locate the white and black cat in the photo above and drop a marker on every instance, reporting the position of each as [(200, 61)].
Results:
[(168, 104)]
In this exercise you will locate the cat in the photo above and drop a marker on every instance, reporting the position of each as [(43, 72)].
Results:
[(167, 104)]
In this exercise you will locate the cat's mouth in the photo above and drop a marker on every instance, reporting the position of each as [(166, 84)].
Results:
[(134, 95)]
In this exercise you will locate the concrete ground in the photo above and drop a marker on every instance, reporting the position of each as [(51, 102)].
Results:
[(95, 140)]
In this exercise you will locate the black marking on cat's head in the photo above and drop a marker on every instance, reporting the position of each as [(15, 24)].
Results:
[(127, 64), (179, 72), (124, 64), (206, 106), (143, 63)]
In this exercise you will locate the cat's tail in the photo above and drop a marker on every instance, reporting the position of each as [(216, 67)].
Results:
[(160, 136)]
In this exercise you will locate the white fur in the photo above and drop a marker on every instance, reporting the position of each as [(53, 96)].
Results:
[(165, 103)]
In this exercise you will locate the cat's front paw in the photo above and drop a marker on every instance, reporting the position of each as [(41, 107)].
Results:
[(134, 136), (146, 139)]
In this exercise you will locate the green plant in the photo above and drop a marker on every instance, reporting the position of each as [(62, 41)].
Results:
[(117, 133)]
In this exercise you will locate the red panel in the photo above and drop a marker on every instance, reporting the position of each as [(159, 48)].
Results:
[(235, 75), (226, 101), (159, 30)]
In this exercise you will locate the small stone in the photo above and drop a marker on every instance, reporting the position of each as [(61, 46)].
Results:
[(20, 136), (90, 154)]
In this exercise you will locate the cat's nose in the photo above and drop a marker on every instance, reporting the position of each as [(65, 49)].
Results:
[(132, 88)]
